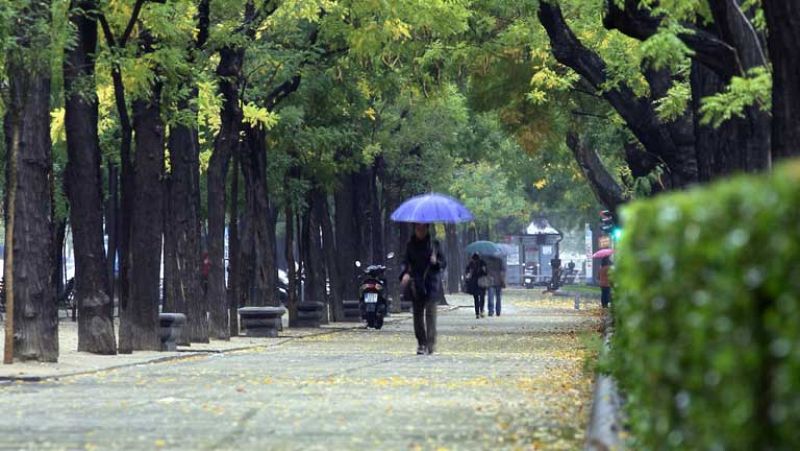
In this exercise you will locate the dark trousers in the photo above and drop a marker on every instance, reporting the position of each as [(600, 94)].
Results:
[(424, 311), (480, 300), (605, 296)]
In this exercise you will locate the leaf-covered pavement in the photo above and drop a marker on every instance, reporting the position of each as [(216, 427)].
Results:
[(518, 382)]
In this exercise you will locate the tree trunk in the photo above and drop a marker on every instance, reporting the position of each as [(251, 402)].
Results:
[(637, 112), (84, 186), (395, 236), (112, 228), (453, 272), (146, 227), (376, 223), (229, 71), (347, 236), (329, 247), (314, 257), (783, 20), (605, 188), (60, 235), (261, 268), (291, 301), (27, 134), (234, 276), (184, 227)]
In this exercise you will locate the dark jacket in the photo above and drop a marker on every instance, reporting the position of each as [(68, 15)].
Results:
[(496, 268), (417, 263), (475, 270)]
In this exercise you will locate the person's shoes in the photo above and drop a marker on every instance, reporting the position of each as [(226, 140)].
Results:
[(430, 350), (477, 316), (491, 314), (421, 350), (483, 314)]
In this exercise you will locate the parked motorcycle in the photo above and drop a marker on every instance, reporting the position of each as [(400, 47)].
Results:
[(373, 302)]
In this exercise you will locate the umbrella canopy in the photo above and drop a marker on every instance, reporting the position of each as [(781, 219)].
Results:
[(603, 253), (430, 208), (484, 249)]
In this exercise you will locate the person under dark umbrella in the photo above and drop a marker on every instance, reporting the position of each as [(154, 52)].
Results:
[(420, 280), (605, 283), (476, 269)]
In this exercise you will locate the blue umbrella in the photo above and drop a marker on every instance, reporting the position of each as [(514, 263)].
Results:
[(429, 208)]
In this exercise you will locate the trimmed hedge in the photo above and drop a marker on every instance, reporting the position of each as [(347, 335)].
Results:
[(707, 322)]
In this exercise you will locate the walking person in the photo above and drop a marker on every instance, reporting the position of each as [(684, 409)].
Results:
[(420, 280), (605, 285), (497, 276), (477, 281)]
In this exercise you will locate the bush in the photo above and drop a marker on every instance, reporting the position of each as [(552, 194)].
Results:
[(707, 336)]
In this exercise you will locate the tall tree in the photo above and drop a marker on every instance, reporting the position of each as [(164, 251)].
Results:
[(27, 135), (126, 169), (182, 236), (84, 185), (141, 311)]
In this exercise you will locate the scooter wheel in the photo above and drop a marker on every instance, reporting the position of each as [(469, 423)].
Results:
[(379, 322), (370, 320)]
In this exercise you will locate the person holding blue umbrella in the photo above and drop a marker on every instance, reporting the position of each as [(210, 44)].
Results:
[(424, 261), (420, 280)]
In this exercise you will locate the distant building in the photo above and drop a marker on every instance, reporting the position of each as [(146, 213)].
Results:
[(528, 254)]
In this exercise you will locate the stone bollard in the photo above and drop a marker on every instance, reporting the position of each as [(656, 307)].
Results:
[(577, 302), (352, 311), (261, 321), (309, 314), (171, 325)]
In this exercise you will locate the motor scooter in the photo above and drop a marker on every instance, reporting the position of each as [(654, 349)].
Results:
[(373, 302)]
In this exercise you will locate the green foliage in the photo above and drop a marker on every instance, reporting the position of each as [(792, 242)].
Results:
[(708, 316), (755, 89), (674, 104)]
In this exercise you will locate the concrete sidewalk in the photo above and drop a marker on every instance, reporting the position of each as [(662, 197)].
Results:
[(71, 362), (518, 381)]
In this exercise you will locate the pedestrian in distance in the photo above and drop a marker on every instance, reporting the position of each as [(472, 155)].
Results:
[(605, 285), (477, 279), (419, 278), (496, 267)]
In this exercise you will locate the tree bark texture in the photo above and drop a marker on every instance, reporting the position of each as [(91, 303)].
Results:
[(183, 229), (638, 112), (141, 313), (84, 188), (291, 272), (112, 227), (395, 235), (729, 46), (261, 269), (347, 235), (229, 71), (313, 255), (605, 188), (27, 134), (783, 21), (330, 247), (234, 274)]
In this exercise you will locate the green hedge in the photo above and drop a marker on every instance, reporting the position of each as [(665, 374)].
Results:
[(707, 316)]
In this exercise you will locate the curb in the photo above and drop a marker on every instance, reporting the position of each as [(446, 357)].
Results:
[(605, 422)]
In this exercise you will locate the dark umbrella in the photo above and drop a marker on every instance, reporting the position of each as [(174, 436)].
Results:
[(430, 208), (484, 249)]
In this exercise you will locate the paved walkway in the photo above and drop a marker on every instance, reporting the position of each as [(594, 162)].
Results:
[(517, 381)]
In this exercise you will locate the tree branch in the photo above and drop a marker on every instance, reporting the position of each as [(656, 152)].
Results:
[(605, 188), (718, 53)]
